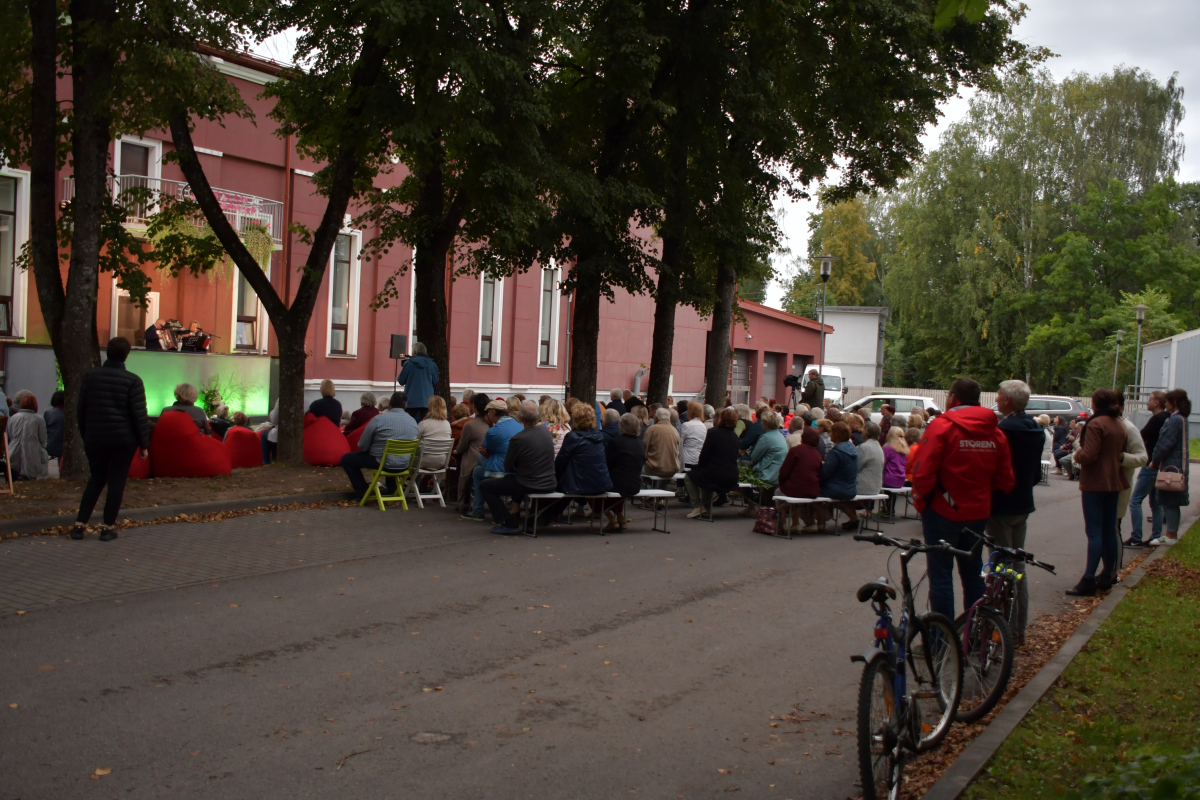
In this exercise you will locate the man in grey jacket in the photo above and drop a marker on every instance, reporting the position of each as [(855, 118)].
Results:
[(528, 467), (395, 423)]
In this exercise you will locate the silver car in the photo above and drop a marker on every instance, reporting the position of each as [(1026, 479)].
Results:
[(903, 403)]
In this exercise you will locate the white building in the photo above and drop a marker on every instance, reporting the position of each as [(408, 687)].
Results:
[(1174, 363), (856, 344)]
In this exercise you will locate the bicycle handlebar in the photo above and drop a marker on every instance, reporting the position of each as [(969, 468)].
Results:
[(913, 545), (1016, 553)]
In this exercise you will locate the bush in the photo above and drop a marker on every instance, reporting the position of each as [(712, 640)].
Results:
[(1152, 778)]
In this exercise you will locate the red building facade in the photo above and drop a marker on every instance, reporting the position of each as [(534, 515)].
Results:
[(506, 335)]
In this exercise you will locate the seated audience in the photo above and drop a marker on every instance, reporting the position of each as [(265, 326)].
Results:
[(825, 428), (662, 446), (268, 434), (395, 423), (219, 422), (800, 476), (185, 402), (326, 405), (766, 458), (870, 472), (795, 428), (754, 429), (459, 416), (912, 437), (611, 427), (581, 465), (528, 469), (692, 434), (365, 413), (554, 418), (624, 457), (466, 451), (237, 419), (839, 473), (709, 411), (434, 427), (643, 414), (27, 441), (716, 469), (895, 461), (55, 424), (855, 423), (743, 414), (502, 428)]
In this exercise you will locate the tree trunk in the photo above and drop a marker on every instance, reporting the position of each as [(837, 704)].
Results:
[(430, 272), (663, 341), (290, 339), (585, 332), (720, 352)]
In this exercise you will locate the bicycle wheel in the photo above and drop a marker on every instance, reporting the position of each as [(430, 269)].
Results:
[(988, 665), (878, 732), (935, 672)]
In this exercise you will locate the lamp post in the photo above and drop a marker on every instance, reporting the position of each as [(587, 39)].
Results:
[(1117, 359), (1137, 365), (826, 268)]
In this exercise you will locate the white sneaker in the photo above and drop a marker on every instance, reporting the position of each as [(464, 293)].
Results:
[(698, 511), (1163, 540), (810, 528)]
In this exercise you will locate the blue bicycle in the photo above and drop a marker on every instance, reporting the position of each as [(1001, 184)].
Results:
[(912, 677)]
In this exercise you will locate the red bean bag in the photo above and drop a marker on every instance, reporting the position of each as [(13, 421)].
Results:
[(244, 448), (139, 468), (180, 450), (324, 444), (353, 436)]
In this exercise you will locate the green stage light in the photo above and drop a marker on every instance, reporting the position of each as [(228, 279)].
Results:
[(244, 379)]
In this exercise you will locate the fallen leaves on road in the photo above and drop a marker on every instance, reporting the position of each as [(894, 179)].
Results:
[(12, 705), (349, 756), (102, 771), (725, 771)]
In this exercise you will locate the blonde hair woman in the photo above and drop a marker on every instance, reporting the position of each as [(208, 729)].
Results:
[(326, 406), (554, 418), (433, 428)]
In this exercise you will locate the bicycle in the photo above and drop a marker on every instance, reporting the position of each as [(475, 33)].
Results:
[(894, 716), (986, 631)]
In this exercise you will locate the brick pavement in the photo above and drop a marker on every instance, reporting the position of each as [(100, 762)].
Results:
[(37, 572)]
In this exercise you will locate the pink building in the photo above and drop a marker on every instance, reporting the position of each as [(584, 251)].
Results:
[(506, 335)]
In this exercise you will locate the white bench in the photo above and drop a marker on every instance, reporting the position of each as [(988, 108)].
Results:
[(535, 501), (906, 493), (742, 487), (873, 499), (1046, 465)]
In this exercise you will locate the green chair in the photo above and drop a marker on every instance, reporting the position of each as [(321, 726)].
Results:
[(393, 447)]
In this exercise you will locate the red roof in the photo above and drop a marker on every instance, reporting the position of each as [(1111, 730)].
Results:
[(783, 316)]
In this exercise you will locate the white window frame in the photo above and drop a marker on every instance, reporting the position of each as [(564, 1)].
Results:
[(152, 307), (352, 317), (261, 328), (412, 299), (554, 319), (155, 146), (497, 324), (20, 291)]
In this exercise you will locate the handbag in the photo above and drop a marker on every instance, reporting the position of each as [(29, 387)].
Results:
[(767, 521), (1169, 481)]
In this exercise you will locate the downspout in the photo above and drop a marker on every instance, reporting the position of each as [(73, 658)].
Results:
[(637, 381)]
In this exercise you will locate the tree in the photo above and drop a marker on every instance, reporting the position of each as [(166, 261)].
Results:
[(126, 61)]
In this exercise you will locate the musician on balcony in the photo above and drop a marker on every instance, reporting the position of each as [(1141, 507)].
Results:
[(154, 335)]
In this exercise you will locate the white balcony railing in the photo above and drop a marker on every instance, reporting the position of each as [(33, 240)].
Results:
[(242, 210)]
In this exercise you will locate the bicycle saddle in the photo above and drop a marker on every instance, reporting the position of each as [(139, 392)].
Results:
[(877, 590)]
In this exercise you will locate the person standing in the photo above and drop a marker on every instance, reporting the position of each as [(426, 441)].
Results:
[(1100, 482), (1133, 457), (153, 336), (418, 376), (1171, 451), (112, 420), (616, 403), (56, 424), (1143, 487), (813, 393), (963, 458), (1008, 524), (528, 469)]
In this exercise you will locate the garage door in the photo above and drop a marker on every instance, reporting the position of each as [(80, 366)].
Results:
[(739, 388), (770, 375)]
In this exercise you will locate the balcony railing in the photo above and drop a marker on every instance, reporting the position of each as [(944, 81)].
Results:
[(242, 210)]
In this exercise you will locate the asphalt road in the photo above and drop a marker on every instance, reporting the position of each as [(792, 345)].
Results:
[(413, 655)]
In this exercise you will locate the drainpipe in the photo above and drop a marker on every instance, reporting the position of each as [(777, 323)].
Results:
[(637, 381)]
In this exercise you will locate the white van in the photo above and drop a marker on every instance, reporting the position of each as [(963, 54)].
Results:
[(835, 387)]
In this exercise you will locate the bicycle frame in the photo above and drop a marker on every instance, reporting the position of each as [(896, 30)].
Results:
[(892, 639), (1000, 580)]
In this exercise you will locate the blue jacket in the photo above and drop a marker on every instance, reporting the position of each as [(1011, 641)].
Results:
[(610, 432), (496, 442), (839, 473), (582, 465), (417, 377), (1026, 438)]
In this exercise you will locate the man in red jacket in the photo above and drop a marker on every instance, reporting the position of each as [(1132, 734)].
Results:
[(963, 457)]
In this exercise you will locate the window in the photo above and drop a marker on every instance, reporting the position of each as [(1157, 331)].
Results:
[(135, 159), (8, 251), (246, 322), (1058, 405), (905, 406), (548, 326), (490, 300), (130, 321), (339, 296)]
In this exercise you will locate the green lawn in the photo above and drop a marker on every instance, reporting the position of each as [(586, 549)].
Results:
[(1133, 693), (1194, 448)]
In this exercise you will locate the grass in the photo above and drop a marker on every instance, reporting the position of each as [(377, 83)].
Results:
[(1194, 448), (1133, 692)]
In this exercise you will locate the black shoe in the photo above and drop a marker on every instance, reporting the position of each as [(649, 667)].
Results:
[(1085, 588), (107, 534), (1131, 542), (852, 525), (77, 531), (720, 501)]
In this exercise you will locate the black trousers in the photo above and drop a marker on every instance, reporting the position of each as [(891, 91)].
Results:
[(493, 491), (108, 465)]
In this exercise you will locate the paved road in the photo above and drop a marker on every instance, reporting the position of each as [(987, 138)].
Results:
[(441, 662)]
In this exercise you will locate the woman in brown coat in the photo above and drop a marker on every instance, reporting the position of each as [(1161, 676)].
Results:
[(1101, 480)]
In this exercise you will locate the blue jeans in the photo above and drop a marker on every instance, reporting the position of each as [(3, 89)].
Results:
[(1100, 523), (1171, 516), (941, 566), (269, 448), (1144, 488), (354, 463), (478, 476)]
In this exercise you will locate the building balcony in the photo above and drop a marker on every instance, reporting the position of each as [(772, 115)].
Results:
[(242, 210)]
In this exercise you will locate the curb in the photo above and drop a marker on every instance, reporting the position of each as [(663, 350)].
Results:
[(971, 762), (10, 527)]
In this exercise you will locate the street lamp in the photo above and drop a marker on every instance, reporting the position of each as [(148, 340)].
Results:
[(826, 268), (1137, 365), (1117, 359)]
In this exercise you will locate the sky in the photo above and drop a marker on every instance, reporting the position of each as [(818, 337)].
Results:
[(1093, 36)]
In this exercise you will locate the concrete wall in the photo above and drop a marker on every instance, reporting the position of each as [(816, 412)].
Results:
[(857, 342)]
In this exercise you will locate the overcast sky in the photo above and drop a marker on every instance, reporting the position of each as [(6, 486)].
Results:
[(1159, 36)]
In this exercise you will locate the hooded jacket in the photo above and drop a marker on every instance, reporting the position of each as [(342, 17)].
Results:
[(581, 465), (839, 473), (963, 458), (1026, 440), (418, 376)]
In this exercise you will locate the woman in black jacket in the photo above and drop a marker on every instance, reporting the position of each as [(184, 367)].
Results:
[(580, 465), (112, 420), (717, 468), (625, 454)]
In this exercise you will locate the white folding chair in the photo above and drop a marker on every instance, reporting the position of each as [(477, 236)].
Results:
[(436, 453)]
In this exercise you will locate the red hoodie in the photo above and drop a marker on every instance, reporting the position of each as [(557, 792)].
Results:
[(962, 458)]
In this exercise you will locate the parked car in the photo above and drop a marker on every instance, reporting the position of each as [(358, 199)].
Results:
[(1055, 406), (903, 403)]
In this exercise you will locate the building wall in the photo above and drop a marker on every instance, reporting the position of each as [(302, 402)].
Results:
[(856, 345)]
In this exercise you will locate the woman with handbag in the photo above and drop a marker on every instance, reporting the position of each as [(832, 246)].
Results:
[(1101, 481), (1170, 458)]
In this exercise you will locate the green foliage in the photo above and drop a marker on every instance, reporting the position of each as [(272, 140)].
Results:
[(231, 392), (1153, 778)]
